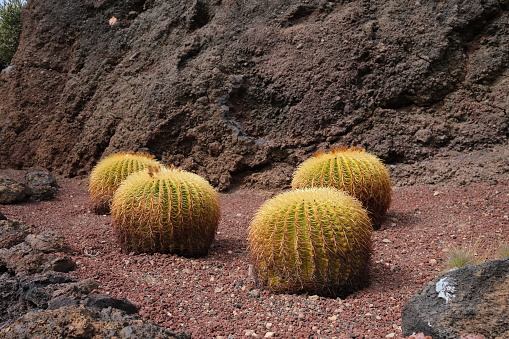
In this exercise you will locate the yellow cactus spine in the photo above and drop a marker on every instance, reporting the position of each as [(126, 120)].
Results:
[(109, 173), (361, 174), (315, 240), (165, 210)]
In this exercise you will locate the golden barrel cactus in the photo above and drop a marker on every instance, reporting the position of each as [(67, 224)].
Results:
[(109, 173), (165, 210), (361, 174), (315, 240)]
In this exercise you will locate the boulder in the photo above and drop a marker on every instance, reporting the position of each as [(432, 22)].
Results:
[(10, 307), (12, 232), (12, 191), (31, 253), (473, 300), (42, 183), (47, 241)]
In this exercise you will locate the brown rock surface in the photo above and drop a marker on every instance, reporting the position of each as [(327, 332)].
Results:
[(241, 91)]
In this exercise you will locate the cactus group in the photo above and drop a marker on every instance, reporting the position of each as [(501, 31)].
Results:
[(353, 170), (110, 172), (315, 240), (165, 210)]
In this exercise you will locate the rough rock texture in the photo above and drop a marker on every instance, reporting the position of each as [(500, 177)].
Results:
[(242, 91), (473, 299), (85, 323), (12, 191), (12, 232), (42, 183)]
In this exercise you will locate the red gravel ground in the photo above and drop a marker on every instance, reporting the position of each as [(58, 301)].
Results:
[(215, 296)]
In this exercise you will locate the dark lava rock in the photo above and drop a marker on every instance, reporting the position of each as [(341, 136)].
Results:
[(12, 191), (12, 232), (34, 255), (86, 323), (2, 217), (10, 305), (472, 299), (245, 104), (47, 241), (105, 301), (42, 183)]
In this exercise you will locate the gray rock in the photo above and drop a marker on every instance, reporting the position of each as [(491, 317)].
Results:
[(12, 232), (46, 241), (105, 301), (12, 191), (34, 253), (472, 299), (9, 297), (2, 217), (42, 183)]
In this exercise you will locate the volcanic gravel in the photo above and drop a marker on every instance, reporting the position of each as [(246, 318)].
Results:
[(216, 296)]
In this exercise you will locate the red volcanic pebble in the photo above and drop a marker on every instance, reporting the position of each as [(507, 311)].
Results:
[(216, 296)]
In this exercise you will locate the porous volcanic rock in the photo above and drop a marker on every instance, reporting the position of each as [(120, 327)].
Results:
[(472, 299), (86, 323), (42, 183), (12, 191), (12, 232), (242, 91)]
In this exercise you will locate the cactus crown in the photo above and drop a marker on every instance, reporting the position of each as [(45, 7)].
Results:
[(353, 170), (315, 240), (166, 210), (109, 173), (341, 149)]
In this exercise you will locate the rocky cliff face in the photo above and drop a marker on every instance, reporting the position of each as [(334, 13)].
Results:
[(242, 91)]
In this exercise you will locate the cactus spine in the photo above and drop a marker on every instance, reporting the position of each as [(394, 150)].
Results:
[(110, 172), (353, 170), (165, 210), (315, 240)]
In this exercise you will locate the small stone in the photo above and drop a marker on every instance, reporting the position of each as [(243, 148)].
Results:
[(218, 289), (387, 241), (255, 293), (391, 335), (248, 333), (268, 325), (333, 318), (269, 335), (433, 261)]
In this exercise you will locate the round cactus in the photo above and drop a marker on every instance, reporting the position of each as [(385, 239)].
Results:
[(165, 210), (353, 170), (109, 173), (315, 240)]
